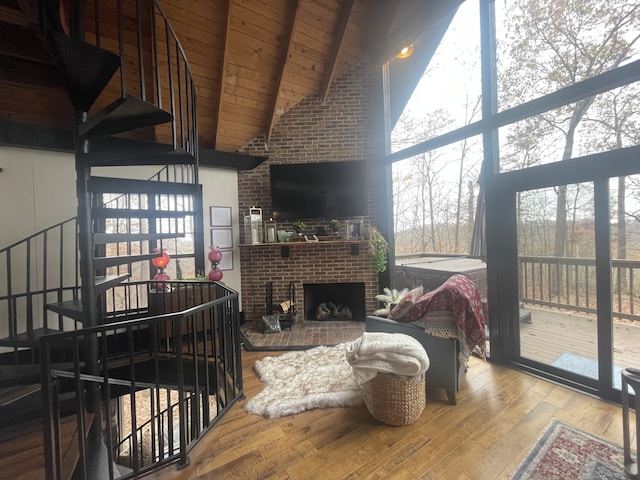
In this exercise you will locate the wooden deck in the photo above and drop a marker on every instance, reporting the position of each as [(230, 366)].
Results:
[(553, 332)]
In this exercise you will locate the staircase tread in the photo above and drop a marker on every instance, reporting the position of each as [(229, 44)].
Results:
[(68, 308), (105, 262), (26, 339), (105, 282), (99, 184), (126, 113), (163, 155), (86, 68)]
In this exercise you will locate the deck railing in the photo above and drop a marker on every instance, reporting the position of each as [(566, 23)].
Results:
[(570, 283), (159, 384)]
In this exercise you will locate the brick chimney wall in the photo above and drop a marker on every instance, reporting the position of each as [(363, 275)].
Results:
[(341, 129)]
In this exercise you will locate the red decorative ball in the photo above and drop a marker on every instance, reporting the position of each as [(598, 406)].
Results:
[(215, 255), (215, 275)]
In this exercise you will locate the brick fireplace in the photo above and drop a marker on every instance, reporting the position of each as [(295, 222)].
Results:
[(329, 263), (334, 301)]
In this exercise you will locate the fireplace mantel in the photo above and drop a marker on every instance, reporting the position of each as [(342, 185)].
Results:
[(301, 262)]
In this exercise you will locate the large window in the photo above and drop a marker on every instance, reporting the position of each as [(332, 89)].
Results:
[(555, 150)]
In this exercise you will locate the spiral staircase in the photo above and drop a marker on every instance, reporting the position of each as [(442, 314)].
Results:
[(76, 321)]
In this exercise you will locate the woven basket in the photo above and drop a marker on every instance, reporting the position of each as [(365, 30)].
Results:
[(395, 400)]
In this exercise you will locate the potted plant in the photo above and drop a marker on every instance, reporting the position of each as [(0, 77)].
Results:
[(379, 248), (389, 299), (335, 226), (299, 227)]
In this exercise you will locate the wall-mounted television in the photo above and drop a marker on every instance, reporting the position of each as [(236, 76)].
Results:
[(319, 190)]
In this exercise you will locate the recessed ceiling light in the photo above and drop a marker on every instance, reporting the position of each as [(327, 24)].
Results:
[(405, 52)]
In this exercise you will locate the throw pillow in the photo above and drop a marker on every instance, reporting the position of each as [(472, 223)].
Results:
[(406, 304)]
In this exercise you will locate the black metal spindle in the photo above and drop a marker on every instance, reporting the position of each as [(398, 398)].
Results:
[(106, 388), (171, 93), (132, 395), (96, 21), (631, 294), (123, 73), (180, 93), (11, 304), (45, 245), (154, 46), (81, 406), (143, 90), (28, 288), (46, 385)]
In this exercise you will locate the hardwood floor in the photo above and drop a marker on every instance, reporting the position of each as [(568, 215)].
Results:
[(499, 416)]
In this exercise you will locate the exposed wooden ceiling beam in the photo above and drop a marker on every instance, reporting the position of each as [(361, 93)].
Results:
[(343, 18), (223, 73), (295, 5)]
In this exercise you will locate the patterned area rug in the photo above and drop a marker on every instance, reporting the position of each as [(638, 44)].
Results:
[(565, 453)]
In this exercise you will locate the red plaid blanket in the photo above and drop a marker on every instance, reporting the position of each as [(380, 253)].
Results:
[(453, 310)]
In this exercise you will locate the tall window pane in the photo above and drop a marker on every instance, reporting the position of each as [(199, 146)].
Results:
[(545, 45), (448, 95)]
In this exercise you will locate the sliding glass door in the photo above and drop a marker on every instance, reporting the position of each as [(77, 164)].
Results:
[(557, 321)]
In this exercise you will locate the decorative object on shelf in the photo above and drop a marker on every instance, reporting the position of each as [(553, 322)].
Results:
[(354, 229), (299, 227), (161, 278), (214, 256), (284, 236), (270, 231), (253, 226), (311, 238), (335, 226), (379, 248)]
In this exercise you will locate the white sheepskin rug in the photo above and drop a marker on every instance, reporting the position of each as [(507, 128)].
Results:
[(303, 380)]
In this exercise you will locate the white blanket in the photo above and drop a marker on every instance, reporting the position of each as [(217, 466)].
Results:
[(377, 352)]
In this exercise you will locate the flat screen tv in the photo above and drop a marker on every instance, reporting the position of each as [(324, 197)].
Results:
[(319, 190)]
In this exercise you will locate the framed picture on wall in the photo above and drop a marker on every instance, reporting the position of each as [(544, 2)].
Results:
[(222, 237), (226, 263), (220, 216)]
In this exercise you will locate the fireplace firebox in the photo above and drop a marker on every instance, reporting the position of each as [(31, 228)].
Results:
[(346, 296)]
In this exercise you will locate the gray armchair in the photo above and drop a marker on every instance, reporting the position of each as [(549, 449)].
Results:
[(445, 367)]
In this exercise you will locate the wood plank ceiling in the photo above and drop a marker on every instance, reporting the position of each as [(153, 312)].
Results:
[(253, 60)]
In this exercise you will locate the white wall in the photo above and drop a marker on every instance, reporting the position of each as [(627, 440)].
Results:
[(37, 190), (220, 189)]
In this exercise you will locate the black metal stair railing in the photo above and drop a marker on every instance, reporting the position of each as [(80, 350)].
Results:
[(168, 378), (38, 270)]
